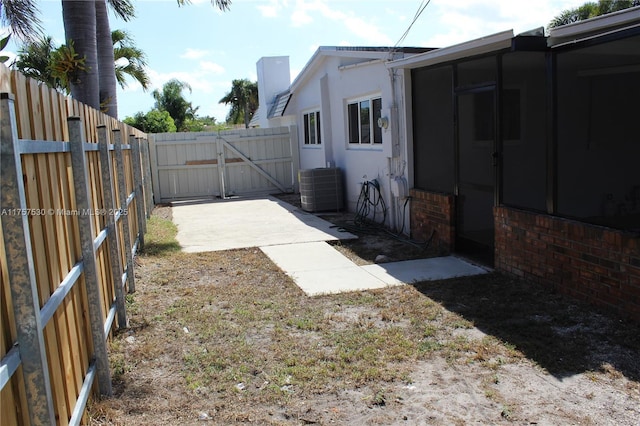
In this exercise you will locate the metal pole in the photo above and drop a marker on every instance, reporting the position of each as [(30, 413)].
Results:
[(109, 206), (124, 217), (137, 187), (24, 290), (146, 178), (85, 224)]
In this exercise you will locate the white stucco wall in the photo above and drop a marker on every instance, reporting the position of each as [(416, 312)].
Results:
[(359, 163), (273, 77), (330, 81)]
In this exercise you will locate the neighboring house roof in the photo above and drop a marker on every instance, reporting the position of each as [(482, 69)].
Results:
[(255, 119)]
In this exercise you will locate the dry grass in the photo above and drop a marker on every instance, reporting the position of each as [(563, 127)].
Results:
[(226, 337)]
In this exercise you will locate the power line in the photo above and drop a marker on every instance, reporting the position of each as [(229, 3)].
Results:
[(421, 8)]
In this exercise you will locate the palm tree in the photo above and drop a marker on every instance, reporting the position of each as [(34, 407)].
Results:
[(243, 99), (54, 66), (591, 10), (106, 62), (87, 24), (21, 16), (80, 25), (172, 101), (124, 49), (57, 66), (34, 59)]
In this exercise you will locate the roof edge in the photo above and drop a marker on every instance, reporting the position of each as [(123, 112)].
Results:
[(477, 46), (597, 24)]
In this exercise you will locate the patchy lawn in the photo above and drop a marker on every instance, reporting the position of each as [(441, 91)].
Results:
[(226, 338)]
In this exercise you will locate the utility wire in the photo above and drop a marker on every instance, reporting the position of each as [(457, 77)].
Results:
[(421, 8)]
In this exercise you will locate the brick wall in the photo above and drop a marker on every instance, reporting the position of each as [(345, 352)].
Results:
[(592, 263), (431, 212)]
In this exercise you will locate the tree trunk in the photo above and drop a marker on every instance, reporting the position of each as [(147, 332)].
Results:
[(106, 63), (79, 19)]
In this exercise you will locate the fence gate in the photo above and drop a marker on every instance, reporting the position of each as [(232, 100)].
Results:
[(221, 164)]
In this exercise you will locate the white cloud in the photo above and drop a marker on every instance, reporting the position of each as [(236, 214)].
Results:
[(367, 30), (272, 8), (464, 20), (194, 53), (212, 67), (300, 17), (201, 80)]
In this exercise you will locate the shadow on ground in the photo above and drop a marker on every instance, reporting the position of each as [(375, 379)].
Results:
[(560, 335)]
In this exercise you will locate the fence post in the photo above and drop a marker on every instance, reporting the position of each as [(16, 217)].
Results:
[(148, 188), (137, 188), (153, 163), (295, 156), (85, 224), (22, 282), (221, 166), (124, 217), (109, 205)]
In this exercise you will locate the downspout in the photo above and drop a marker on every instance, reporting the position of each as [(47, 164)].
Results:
[(396, 152)]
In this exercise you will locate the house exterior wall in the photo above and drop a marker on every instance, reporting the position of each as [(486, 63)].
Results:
[(328, 90), (588, 262)]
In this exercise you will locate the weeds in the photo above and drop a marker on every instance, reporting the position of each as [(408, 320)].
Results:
[(257, 346), (160, 239)]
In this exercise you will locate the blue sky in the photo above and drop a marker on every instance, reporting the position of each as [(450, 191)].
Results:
[(207, 48)]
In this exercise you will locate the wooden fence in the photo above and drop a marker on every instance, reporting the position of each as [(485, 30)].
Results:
[(73, 206)]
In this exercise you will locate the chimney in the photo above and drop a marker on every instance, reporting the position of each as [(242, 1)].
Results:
[(274, 77)]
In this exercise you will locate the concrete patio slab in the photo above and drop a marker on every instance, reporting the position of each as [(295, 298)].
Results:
[(247, 222), (411, 271), (317, 268), (307, 257), (296, 241)]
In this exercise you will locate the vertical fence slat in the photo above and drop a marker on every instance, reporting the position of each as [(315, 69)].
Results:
[(20, 264), (109, 206), (124, 217), (137, 187), (153, 163), (83, 204)]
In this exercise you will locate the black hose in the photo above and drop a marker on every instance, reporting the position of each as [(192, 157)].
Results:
[(370, 202)]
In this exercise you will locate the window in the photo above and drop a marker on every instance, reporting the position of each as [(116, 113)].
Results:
[(312, 128), (363, 118)]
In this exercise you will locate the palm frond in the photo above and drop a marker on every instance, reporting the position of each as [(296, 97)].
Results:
[(220, 4), (22, 16), (124, 9)]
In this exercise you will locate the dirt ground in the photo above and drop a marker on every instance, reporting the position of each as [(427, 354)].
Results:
[(227, 338)]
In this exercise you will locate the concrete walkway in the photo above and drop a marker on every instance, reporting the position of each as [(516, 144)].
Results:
[(296, 241), (248, 222), (317, 268)]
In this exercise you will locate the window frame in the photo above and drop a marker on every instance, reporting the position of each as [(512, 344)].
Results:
[(311, 138), (368, 134)]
